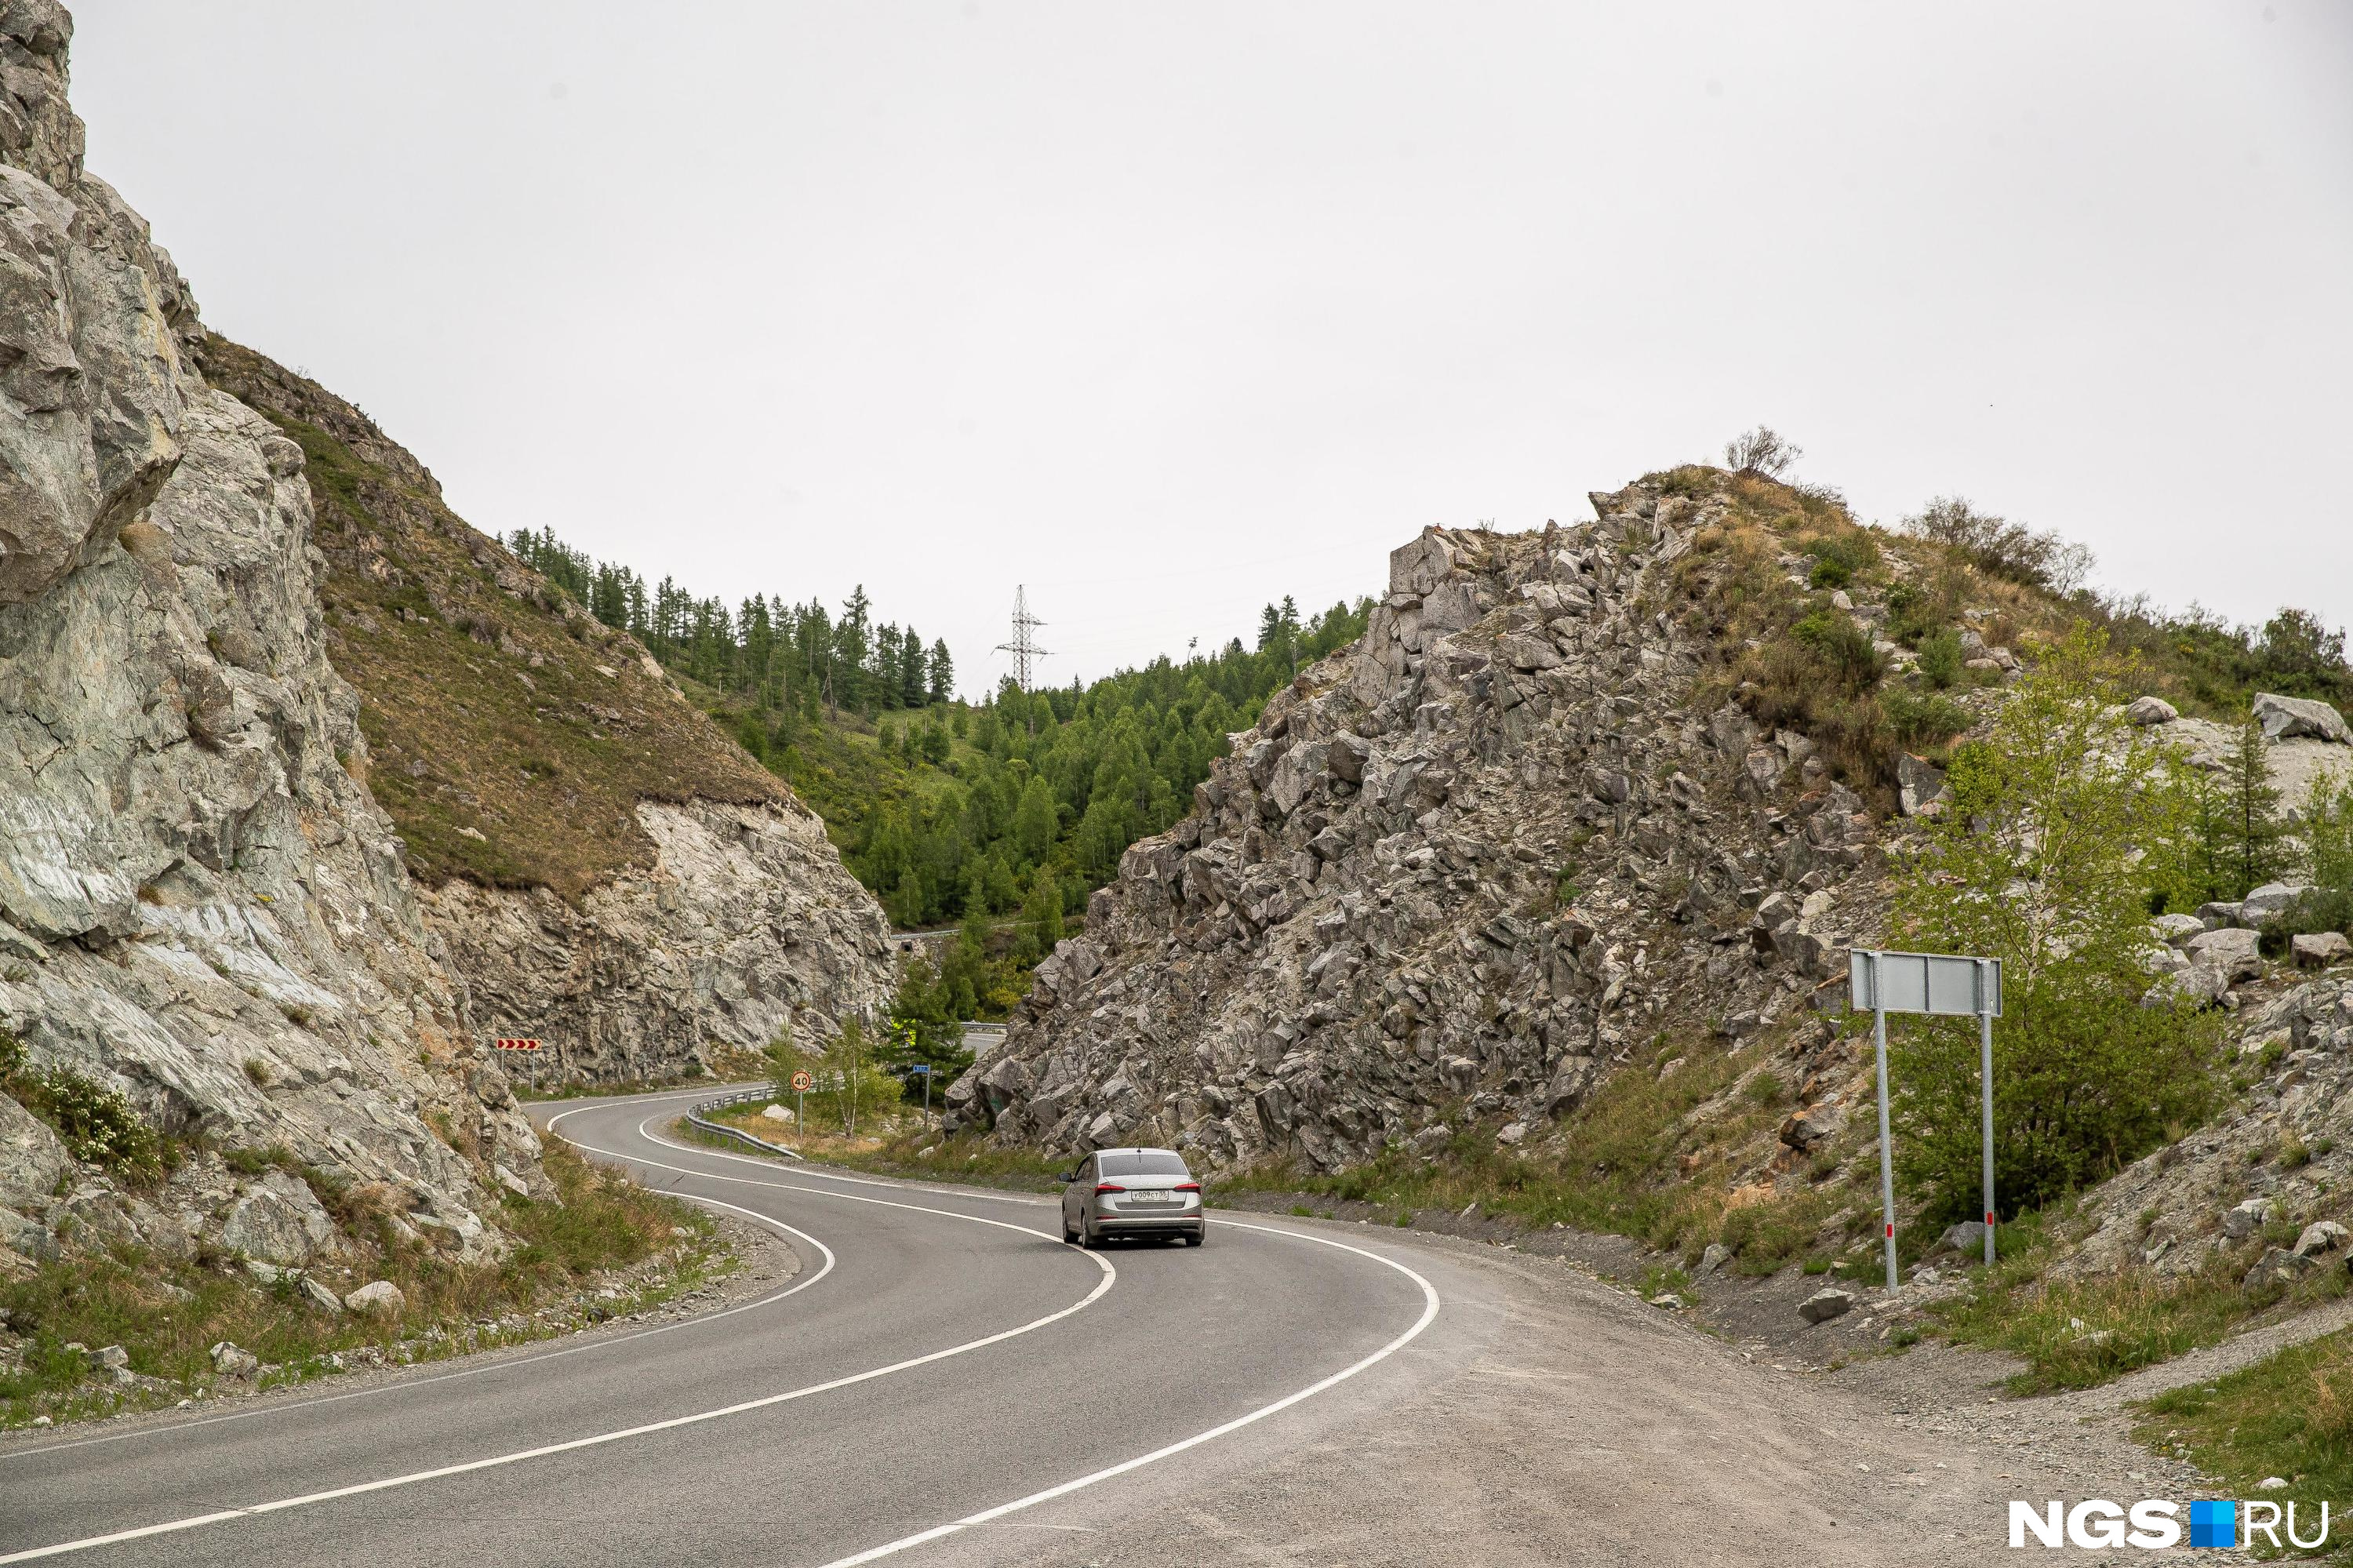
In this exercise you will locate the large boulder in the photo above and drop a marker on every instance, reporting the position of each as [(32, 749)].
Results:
[(2270, 900), (1826, 1304), (2319, 949), (2234, 952), (2283, 718), (1919, 784), (2146, 710)]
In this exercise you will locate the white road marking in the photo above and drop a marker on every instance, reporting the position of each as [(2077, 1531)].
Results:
[(1110, 1277), (991, 1516), (610, 1341)]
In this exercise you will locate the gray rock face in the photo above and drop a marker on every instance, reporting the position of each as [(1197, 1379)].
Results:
[(2176, 930), (191, 878), (1919, 784), (747, 923), (1360, 934), (2283, 717), (279, 1222)]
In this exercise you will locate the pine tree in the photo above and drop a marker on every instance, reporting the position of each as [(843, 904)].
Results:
[(913, 687), (943, 673), (2247, 847)]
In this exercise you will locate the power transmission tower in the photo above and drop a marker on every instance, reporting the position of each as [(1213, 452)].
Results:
[(1024, 646)]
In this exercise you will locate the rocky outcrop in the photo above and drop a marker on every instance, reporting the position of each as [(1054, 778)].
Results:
[(1460, 868), (745, 924), (611, 872), (201, 908)]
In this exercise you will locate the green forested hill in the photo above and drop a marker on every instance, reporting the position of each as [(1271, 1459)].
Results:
[(949, 809)]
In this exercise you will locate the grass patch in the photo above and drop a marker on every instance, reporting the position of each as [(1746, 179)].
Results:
[(2078, 1333), (2289, 1416), (965, 1157), (167, 1312)]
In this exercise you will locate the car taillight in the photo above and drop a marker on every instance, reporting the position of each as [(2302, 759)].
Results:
[(1188, 1186), (1109, 1187)]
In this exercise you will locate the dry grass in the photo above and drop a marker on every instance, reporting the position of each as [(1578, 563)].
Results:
[(495, 767)]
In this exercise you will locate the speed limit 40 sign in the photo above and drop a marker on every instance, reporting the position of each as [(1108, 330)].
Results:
[(801, 1082)]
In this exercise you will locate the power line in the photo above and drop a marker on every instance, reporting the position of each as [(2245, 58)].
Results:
[(1024, 646)]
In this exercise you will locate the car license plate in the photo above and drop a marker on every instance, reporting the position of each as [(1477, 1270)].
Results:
[(1152, 1198)]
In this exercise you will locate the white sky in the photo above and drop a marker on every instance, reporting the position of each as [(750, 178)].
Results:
[(1169, 309)]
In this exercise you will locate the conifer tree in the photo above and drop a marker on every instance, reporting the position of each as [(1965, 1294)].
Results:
[(2246, 846)]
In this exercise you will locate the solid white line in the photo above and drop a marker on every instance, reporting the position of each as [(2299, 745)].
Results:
[(1110, 1275), (173, 1429), (989, 1516)]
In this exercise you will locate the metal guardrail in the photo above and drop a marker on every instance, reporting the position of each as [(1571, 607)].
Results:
[(695, 1118)]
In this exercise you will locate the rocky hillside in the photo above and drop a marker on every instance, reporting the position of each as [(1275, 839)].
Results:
[(1601, 803), (1468, 864), (204, 916), (610, 871)]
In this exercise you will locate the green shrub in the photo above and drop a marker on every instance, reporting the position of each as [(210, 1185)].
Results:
[(1922, 718), (1842, 644), (2071, 804), (1941, 658), (1839, 558)]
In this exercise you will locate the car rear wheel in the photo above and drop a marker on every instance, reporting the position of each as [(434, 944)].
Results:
[(1197, 1237)]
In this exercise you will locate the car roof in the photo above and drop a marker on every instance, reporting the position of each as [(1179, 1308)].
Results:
[(1140, 1148)]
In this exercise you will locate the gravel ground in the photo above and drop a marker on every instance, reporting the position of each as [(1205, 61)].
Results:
[(1915, 1454)]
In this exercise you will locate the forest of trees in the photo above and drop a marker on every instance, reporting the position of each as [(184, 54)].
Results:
[(789, 656), (955, 809)]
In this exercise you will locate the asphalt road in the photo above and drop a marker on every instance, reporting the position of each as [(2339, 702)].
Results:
[(943, 1382)]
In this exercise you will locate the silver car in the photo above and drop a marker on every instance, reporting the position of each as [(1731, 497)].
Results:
[(1143, 1193)]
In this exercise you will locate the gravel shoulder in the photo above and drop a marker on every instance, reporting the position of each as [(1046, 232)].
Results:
[(1601, 1428)]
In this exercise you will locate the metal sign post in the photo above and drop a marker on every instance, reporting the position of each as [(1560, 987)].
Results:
[(1941, 986), (530, 1049), (801, 1081)]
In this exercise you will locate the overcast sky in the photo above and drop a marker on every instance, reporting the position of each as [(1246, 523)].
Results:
[(1169, 309)]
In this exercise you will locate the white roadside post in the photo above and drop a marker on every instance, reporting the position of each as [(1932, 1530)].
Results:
[(1941, 986), (1988, 999)]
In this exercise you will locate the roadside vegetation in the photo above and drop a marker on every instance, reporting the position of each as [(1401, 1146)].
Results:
[(2081, 1332), (166, 1312), (900, 1145), (2288, 1417)]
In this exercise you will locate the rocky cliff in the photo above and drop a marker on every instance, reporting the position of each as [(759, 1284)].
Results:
[(201, 908), (610, 873), (1462, 868)]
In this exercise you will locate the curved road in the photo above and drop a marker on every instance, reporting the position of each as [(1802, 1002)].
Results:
[(944, 1381)]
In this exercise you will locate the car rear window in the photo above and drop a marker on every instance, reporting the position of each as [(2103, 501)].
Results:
[(1144, 1163)]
